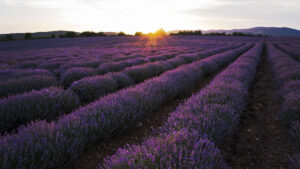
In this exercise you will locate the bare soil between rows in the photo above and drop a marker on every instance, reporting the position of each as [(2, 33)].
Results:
[(103, 148), (259, 141)]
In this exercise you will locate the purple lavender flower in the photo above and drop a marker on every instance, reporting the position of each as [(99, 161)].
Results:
[(25, 84)]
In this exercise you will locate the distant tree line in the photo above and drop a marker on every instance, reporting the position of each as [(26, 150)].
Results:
[(27, 36), (88, 34), (187, 33), (213, 33), (161, 32), (70, 34)]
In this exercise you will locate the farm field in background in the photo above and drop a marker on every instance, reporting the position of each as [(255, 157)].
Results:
[(150, 102)]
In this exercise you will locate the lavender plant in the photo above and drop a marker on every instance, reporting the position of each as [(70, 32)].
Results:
[(73, 74), (294, 52), (25, 84), (53, 145), (6, 74), (286, 72), (90, 88), (209, 114), (180, 149), (46, 104)]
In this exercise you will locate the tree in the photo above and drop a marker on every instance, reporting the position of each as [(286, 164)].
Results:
[(28, 36), (52, 36), (9, 37), (138, 34), (160, 32), (216, 34), (88, 34), (121, 34), (70, 34), (100, 34)]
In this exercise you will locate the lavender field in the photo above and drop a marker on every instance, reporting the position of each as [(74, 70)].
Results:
[(128, 102)]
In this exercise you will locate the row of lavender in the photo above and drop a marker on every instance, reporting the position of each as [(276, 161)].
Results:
[(293, 51), (77, 73), (162, 54), (53, 145), (188, 138), (286, 71), (57, 58), (24, 108), (16, 81), (89, 56), (91, 88)]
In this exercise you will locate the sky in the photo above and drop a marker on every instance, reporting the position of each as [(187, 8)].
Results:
[(145, 15)]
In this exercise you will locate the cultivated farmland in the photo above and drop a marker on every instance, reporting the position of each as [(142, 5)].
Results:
[(204, 102)]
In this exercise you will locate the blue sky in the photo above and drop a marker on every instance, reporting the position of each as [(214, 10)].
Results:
[(145, 15)]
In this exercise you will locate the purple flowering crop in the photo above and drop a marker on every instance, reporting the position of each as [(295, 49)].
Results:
[(286, 71), (73, 74), (208, 115), (53, 145), (25, 84), (90, 88), (215, 109), (287, 75), (6, 74), (294, 52), (180, 149), (46, 104)]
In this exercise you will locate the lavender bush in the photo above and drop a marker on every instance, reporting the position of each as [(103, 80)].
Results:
[(44, 104), (87, 64), (180, 149), (91, 88), (118, 66), (6, 74), (25, 84), (294, 52), (121, 79), (146, 71), (285, 70), (73, 74), (287, 82), (160, 57)]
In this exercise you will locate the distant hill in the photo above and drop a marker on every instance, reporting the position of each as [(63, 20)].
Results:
[(269, 31), (46, 34)]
